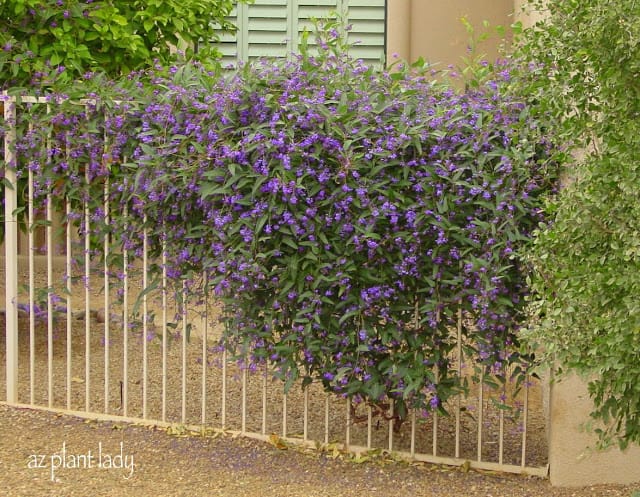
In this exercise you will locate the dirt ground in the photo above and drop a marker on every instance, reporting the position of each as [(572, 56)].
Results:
[(155, 463)]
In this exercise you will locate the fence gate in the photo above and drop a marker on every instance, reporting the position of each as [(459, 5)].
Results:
[(81, 335)]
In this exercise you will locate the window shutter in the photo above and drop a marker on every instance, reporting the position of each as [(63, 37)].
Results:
[(226, 43), (368, 32), (271, 28)]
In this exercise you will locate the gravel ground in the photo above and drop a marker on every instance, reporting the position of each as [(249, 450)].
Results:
[(170, 465)]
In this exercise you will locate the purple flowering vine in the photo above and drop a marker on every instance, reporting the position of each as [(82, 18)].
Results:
[(344, 216)]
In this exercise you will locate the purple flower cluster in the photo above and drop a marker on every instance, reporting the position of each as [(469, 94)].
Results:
[(343, 215)]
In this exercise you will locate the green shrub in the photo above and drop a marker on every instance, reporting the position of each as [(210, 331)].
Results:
[(46, 40), (584, 61)]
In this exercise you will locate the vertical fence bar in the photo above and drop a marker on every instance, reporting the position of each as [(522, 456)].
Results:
[(107, 289), (480, 415), (436, 373), (11, 250), (183, 415), (413, 432), (501, 435), (87, 301), (244, 400), (164, 324), (124, 384), (458, 397), (525, 421), (32, 289), (264, 399), (205, 329), (305, 416), (326, 419), (223, 407), (391, 409), (145, 315), (434, 441), (49, 258), (49, 244), (69, 280), (68, 285), (284, 415), (347, 435), (369, 427)]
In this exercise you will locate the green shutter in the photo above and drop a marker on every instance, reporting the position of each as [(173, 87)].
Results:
[(268, 28), (227, 43), (367, 18)]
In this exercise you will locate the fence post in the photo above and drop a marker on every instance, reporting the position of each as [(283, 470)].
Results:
[(11, 250)]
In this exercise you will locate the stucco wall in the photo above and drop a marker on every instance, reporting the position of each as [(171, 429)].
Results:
[(433, 29), (572, 459)]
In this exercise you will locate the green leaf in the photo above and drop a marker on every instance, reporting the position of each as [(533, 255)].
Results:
[(55, 59), (290, 243)]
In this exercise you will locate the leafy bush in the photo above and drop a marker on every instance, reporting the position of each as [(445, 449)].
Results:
[(345, 217), (584, 61), (43, 40)]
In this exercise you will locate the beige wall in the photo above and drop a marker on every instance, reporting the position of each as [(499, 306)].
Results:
[(572, 460), (432, 28)]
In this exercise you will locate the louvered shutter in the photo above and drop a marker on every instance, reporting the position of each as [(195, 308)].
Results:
[(368, 33), (269, 28)]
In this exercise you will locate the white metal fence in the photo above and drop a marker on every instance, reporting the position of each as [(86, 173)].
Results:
[(73, 342)]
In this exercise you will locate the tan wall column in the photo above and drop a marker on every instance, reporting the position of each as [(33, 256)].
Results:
[(398, 29), (571, 461), (438, 34)]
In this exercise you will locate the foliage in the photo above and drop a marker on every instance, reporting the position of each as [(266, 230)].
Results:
[(345, 217), (43, 40), (585, 61)]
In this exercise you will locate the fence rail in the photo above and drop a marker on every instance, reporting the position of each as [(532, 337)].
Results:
[(76, 341)]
